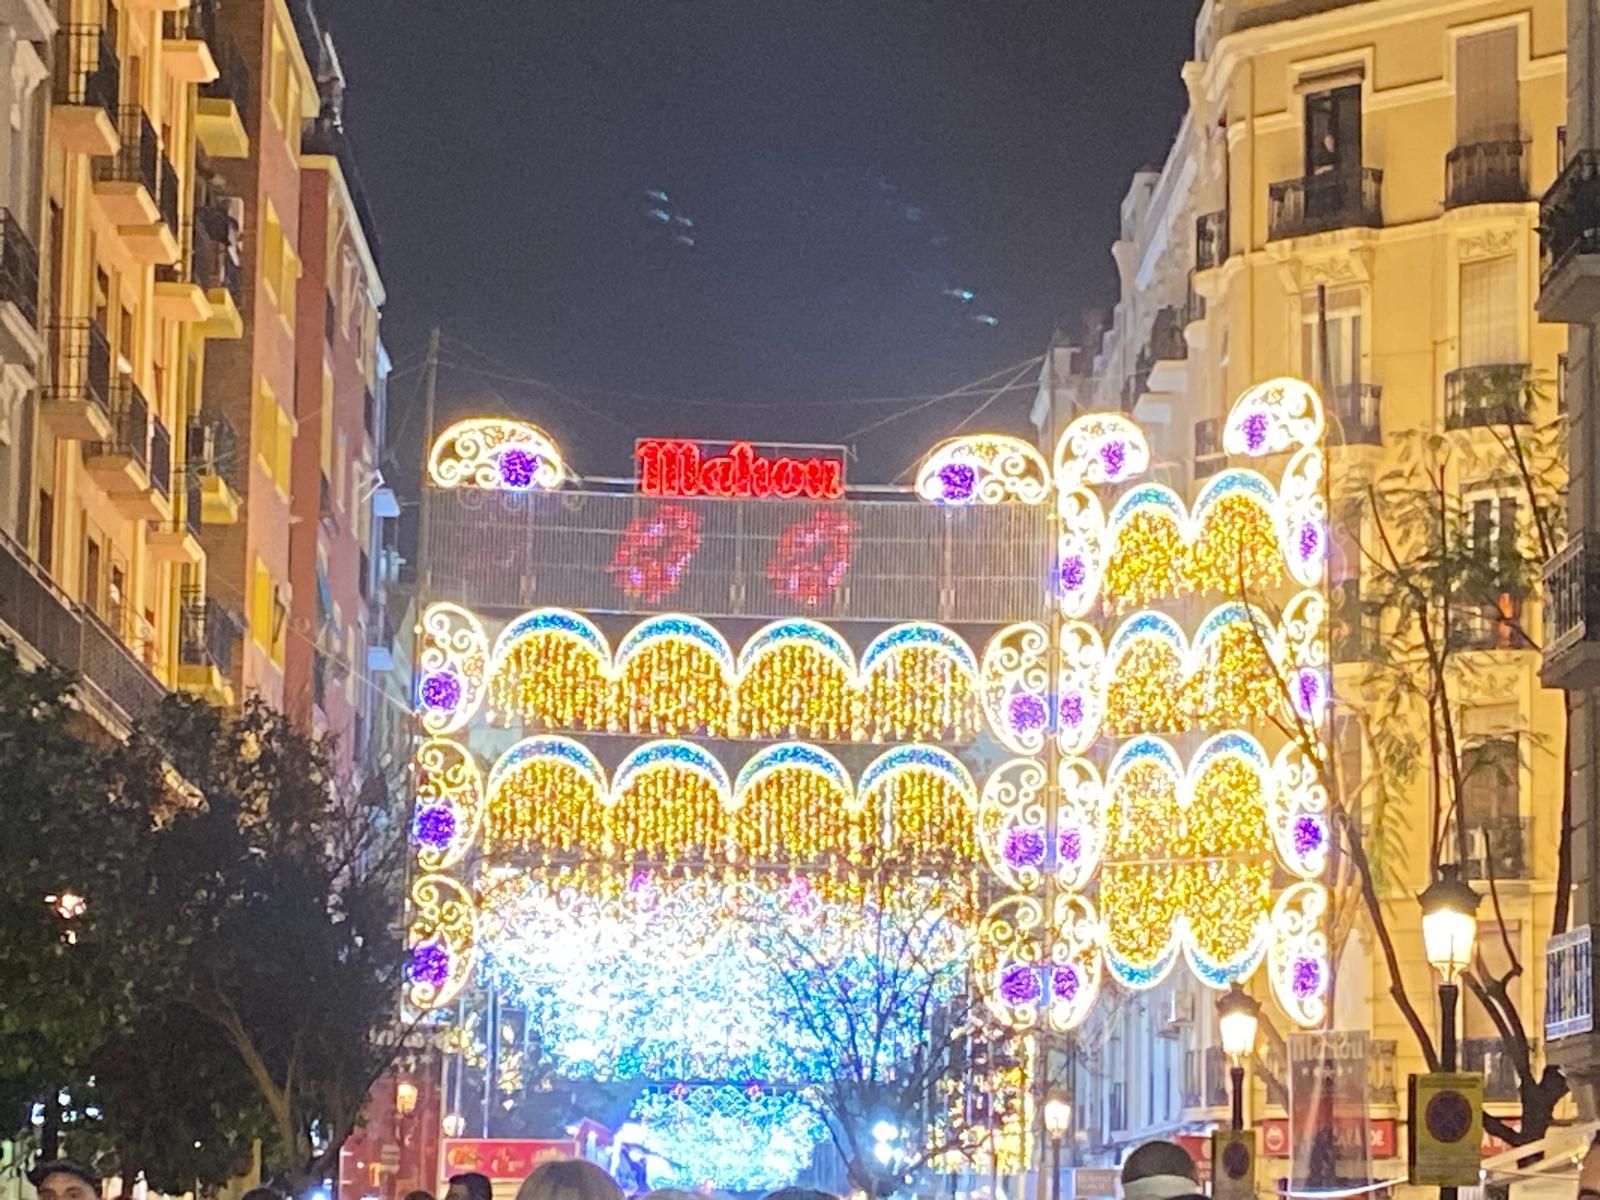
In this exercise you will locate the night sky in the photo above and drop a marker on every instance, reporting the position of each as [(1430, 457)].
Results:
[(836, 174)]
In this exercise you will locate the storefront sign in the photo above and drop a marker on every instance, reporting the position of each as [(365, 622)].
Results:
[(501, 1158), (1382, 1137), (1099, 1183), (679, 468), (1445, 1113)]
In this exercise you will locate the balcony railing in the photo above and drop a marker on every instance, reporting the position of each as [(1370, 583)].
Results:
[(183, 24), (1569, 214), (1194, 304), (1356, 407), (160, 457), (1490, 1058), (139, 158), (169, 199), (214, 449), (130, 425), (208, 632), (1486, 173), (87, 70), (1167, 343), (214, 266), (1211, 240), (233, 77), (82, 365), (19, 268), (1484, 396), (1490, 627), (1571, 587), (1208, 438), (1346, 199), (1500, 848), (71, 637), (192, 501)]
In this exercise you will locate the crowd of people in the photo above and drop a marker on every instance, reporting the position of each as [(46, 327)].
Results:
[(1157, 1170)]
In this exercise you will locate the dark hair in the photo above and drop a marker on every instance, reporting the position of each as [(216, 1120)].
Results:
[(419, 1194), (475, 1183), (65, 1166), (262, 1193), (1159, 1158), (799, 1193)]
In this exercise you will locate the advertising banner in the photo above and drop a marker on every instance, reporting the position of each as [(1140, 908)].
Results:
[(1329, 1143)]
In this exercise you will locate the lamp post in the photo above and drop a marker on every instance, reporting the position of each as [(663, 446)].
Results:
[(1449, 931), (1057, 1120), (1238, 1015)]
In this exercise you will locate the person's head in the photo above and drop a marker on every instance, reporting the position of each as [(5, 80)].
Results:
[(262, 1193), (799, 1193), (569, 1179), (419, 1194), (1159, 1170), (670, 1194), (63, 1179), (470, 1185)]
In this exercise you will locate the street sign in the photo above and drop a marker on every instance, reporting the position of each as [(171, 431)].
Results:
[(1445, 1115), (1233, 1164), (1095, 1183)]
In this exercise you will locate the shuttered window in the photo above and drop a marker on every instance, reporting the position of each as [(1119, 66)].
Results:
[(1490, 319), (1486, 88)]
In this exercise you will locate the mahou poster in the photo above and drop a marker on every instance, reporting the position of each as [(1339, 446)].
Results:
[(1329, 1146)]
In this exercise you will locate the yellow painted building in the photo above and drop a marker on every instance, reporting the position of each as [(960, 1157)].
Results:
[(1352, 198), (127, 303)]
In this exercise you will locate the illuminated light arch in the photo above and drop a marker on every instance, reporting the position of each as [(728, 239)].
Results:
[(797, 678), (985, 468), (1081, 687), (728, 1137), (1297, 961), (796, 803), (1100, 448), (496, 454), (676, 675), (449, 803), (1274, 417), (1233, 531), (1145, 665), (1141, 893), (1013, 823), (1038, 967), (547, 791), (1231, 673), (793, 756), (919, 682), (1149, 547), (452, 663), (925, 800), (551, 666), (674, 755), (1015, 686), (671, 800), (1298, 814), (1303, 517), (442, 941)]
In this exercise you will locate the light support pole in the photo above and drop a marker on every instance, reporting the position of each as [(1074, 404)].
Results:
[(1449, 934), (1057, 1121), (1238, 1018)]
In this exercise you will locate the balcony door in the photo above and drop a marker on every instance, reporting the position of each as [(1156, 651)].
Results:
[(1487, 102), (1341, 371), (1333, 132)]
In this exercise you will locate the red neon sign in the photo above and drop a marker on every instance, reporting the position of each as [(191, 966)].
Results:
[(677, 467)]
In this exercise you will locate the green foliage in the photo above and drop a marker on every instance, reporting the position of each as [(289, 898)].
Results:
[(238, 948)]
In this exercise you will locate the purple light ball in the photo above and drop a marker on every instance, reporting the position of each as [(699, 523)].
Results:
[(1114, 456), (1306, 978), (1307, 832), (430, 964), (1310, 540), (1072, 710), (441, 691), (434, 826), (1069, 844), (1027, 712), (1064, 983), (517, 468), (1024, 847), (1019, 984), (1073, 574), (1255, 431), (1308, 691), (957, 481)]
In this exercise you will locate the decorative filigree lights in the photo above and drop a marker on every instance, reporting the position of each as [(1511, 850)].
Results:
[(1163, 859)]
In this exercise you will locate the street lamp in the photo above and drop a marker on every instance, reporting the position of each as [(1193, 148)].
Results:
[(405, 1098), (1057, 1119), (1449, 930), (1238, 1015)]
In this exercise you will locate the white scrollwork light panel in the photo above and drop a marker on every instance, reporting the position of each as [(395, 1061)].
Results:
[(496, 454), (453, 663), (984, 468)]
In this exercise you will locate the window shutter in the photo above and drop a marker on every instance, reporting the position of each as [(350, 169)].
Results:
[(1486, 88)]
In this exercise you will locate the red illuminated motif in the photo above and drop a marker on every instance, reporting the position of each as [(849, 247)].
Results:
[(654, 550), (810, 560), (673, 467)]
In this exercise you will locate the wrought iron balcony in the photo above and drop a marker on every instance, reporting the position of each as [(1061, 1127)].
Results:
[(214, 448), (1167, 343), (1571, 597), (160, 457), (1499, 848), (215, 268), (1347, 199), (130, 427), (1356, 408), (1481, 397), (1211, 240), (138, 160), (76, 403), (170, 198), (233, 78), (87, 72), (1486, 173), (208, 632), (1194, 304), (19, 268)]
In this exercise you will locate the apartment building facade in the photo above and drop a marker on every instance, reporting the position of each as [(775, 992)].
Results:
[(1351, 199)]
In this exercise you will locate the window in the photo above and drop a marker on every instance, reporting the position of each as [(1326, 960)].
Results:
[(1486, 88), (272, 254), (91, 572), (261, 606), (1490, 319), (280, 80), (325, 418), (1493, 535), (1349, 619), (1343, 341), (47, 531), (1333, 131), (291, 125), (1490, 775), (1497, 964), (266, 428), (283, 467)]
